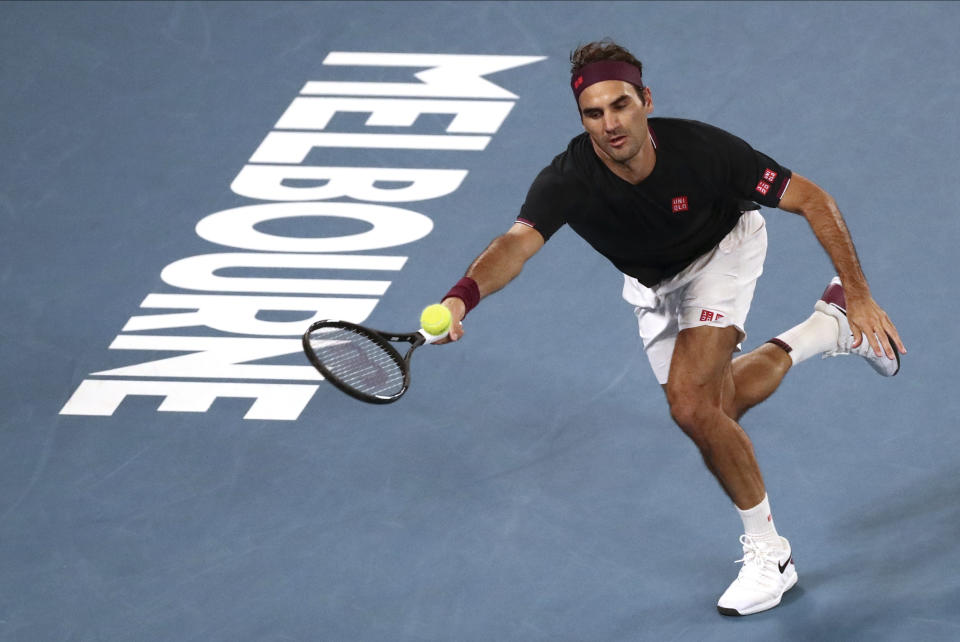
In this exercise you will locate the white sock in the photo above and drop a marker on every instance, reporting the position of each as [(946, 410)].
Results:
[(815, 335), (758, 523)]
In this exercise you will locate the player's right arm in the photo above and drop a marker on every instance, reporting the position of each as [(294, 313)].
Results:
[(496, 266)]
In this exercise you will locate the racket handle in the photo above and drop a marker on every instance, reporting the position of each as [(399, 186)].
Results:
[(433, 338)]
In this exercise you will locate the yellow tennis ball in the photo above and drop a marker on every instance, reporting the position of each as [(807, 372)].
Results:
[(435, 319)]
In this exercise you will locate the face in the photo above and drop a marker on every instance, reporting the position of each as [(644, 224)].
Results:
[(616, 119)]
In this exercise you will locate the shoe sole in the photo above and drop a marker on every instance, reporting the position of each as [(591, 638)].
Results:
[(763, 606)]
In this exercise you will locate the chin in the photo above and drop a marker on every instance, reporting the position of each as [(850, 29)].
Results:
[(622, 155)]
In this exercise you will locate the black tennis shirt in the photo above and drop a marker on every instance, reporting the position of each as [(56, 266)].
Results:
[(704, 178)]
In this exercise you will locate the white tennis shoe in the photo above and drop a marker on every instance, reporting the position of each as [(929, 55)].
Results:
[(834, 303), (767, 573)]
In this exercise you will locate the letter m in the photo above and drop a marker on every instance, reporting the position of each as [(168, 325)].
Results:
[(444, 75)]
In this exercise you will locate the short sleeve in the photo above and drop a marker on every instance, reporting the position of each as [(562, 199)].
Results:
[(548, 202), (754, 175)]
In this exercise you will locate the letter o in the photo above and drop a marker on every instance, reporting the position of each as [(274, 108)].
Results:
[(391, 226)]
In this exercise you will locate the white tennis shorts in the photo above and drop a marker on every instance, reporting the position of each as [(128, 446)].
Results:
[(715, 290)]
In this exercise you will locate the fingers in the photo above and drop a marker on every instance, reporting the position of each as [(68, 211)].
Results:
[(456, 330), (457, 312), (880, 333), (877, 346), (888, 338), (884, 344), (892, 336), (892, 331), (453, 334), (857, 335)]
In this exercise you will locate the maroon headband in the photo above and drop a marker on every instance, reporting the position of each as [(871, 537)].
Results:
[(604, 70)]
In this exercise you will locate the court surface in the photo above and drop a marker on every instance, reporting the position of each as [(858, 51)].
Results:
[(197, 482)]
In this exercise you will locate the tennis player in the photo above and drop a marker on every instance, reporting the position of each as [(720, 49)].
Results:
[(673, 204)]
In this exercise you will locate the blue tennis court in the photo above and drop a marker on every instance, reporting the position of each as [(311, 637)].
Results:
[(185, 186)]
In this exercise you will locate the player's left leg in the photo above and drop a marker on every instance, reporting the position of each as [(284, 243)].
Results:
[(700, 378), (701, 375), (691, 324)]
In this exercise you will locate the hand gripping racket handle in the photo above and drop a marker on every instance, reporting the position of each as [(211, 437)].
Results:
[(432, 338)]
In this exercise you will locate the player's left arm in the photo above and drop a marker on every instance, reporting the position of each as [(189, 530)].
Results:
[(867, 319)]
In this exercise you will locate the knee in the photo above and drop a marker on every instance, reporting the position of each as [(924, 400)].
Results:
[(694, 412)]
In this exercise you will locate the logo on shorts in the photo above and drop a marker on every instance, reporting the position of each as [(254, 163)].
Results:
[(763, 187), (707, 315), (680, 204), (769, 175)]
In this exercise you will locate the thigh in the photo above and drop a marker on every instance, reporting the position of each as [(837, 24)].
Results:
[(714, 291), (656, 322), (701, 362)]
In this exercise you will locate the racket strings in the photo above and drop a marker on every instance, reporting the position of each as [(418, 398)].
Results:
[(357, 361)]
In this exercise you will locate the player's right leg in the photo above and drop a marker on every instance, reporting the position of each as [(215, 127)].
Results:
[(827, 332), (833, 303), (756, 375)]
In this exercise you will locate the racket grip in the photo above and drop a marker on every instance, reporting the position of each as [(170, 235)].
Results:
[(433, 338)]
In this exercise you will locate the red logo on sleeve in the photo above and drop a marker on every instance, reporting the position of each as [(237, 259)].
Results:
[(708, 316), (680, 204), (769, 175), (763, 187)]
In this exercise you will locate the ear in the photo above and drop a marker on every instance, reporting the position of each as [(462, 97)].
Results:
[(647, 100)]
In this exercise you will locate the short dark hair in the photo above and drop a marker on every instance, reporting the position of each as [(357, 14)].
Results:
[(605, 49)]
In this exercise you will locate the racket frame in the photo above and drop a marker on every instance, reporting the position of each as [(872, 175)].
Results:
[(379, 337)]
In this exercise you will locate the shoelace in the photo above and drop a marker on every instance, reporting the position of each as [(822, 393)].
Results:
[(754, 552), (759, 561), (846, 344)]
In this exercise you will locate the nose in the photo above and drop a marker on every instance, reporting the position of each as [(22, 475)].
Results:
[(610, 122)]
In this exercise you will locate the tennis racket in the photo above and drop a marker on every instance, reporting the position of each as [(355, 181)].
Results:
[(363, 362)]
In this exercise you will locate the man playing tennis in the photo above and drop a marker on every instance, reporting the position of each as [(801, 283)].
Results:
[(672, 204)]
